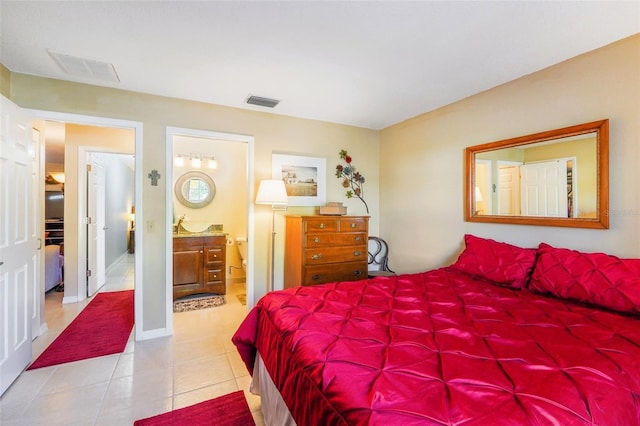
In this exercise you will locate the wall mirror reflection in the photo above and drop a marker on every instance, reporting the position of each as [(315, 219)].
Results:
[(195, 189), (553, 178)]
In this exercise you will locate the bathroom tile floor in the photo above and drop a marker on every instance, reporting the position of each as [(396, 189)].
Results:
[(197, 363)]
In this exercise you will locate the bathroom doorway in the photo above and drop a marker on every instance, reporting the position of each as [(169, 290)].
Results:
[(223, 162)]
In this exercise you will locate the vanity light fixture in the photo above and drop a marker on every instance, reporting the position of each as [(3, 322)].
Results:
[(196, 160), (212, 163)]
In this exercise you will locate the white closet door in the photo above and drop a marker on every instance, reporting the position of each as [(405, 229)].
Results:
[(97, 228), (18, 242)]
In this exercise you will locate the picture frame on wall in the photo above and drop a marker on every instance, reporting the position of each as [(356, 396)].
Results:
[(305, 178)]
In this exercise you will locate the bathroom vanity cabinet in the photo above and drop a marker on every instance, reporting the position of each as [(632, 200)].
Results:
[(321, 249), (198, 265)]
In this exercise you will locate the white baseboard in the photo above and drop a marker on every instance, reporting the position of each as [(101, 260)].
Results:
[(43, 328), (154, 334), (70, 299)]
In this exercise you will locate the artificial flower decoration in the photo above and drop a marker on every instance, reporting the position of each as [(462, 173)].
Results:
[(351, 179)]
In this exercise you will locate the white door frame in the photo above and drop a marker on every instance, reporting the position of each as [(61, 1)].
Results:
[(249, 140), (82, 233)]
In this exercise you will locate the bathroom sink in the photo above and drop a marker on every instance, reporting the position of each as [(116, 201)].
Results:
[(196, 228)]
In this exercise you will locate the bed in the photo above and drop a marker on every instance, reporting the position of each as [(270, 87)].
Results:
[(504, 336)]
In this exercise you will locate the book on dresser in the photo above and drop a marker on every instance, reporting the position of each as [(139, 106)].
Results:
[(321, 249)]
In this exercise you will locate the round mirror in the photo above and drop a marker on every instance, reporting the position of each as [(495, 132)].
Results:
[(195, 189)]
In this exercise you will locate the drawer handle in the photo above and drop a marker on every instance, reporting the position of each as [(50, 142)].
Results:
[(358, 238), (321, 226), (357, 273), (316, 256), (353, 225), (201, 251), (357, 253), (316, 240), (316, 277)]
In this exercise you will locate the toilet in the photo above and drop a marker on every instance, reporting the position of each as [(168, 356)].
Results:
[(241, 242)]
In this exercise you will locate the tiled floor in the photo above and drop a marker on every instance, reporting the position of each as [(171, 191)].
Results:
[(197, 363)]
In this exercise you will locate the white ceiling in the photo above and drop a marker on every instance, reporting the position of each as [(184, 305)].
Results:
[(368, 64)]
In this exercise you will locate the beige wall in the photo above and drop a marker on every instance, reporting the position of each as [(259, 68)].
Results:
[(421, 159), (271, 132), (5, 82)]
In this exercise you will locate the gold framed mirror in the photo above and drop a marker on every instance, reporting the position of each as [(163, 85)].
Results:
[(553, 178), (195, 189)]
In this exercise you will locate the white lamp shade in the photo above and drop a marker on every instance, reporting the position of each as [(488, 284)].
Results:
[(478, 195), (272, 191)]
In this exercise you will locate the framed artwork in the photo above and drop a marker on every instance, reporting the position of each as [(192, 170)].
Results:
[(304, 177)]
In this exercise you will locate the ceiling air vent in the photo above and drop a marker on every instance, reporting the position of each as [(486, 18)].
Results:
[(265, 102), (88, 68)]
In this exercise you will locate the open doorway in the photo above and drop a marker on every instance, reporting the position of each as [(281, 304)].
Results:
[(120, 140), (218, 164)]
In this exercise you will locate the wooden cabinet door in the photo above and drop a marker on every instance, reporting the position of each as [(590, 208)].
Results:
[(187, 271)]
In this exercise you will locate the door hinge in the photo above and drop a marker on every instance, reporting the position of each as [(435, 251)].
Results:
[(88, 273), (86, 221), (88, 167)]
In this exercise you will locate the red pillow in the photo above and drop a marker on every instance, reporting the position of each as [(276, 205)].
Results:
[(502, 263), (596, 278)]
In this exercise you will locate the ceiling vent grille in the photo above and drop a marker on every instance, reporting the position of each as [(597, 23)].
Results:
[(88, 68), (265, 102)]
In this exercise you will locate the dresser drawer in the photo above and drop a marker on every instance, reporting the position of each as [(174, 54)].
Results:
[(328, 240), (322, 225), (348, 271), (352, 224), (322, 255), (214, 255)]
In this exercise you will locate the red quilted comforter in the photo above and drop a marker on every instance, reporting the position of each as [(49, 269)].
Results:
[(442, 348)]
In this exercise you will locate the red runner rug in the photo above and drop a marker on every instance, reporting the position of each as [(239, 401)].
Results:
[(102, 328), (227, 410)]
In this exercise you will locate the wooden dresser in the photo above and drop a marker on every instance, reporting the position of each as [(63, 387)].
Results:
[(198, 265), (322, 249)]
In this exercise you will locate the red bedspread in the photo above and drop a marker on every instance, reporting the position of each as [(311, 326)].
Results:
[(443, 348)]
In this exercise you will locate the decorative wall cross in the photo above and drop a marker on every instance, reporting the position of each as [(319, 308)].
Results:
[(154, 176)]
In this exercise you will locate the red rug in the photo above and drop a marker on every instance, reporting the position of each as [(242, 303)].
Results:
[(102, 328), (227, 410)]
